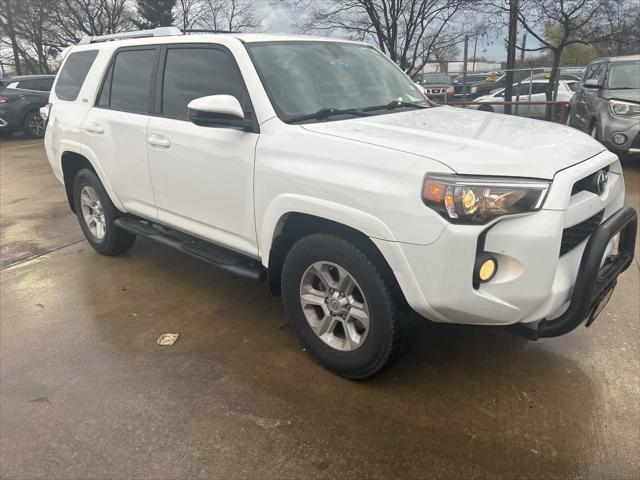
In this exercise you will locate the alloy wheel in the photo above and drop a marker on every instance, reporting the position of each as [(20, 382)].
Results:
[(35, 125), (334, 305), (92, 212)]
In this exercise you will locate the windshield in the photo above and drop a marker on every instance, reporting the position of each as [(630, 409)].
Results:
[(433, 79), (302, 78), (624, 76)]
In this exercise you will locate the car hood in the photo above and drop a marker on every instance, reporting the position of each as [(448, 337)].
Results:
[(436, 85), (628, 95), (472, 142)]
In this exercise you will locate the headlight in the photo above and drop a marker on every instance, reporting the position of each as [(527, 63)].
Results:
[(474, 89), (624, 109), (478, 200)]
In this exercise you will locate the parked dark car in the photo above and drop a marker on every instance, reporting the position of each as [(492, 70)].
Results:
[(437, 86), (20, 100), (480, 89), (607, 103), (472, 79)]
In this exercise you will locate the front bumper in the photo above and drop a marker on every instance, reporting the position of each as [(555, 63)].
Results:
[(629, 127), (595, 280), (536, 275)]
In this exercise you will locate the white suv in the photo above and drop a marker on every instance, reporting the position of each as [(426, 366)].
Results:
[(318, 165)]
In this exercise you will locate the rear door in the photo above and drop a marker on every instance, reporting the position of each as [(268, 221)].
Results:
[(116, 126), (202, 176)]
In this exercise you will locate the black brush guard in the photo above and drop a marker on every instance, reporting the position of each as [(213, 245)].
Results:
[(592, 282)]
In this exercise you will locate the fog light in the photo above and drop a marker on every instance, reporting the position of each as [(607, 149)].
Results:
[(619, 138), (485, 268)]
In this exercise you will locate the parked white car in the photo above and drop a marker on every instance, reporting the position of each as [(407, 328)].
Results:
[(534, 91), (266, 156)]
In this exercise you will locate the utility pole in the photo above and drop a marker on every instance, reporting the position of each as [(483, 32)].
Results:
[(511, 54), (475, 48), (524, 46), (464, 67)]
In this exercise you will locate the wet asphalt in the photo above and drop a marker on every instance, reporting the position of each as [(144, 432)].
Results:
[(85, 391)]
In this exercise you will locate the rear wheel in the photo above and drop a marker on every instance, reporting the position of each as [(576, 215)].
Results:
[(33, 125), (97, 215), (340, 307), (486, 108)]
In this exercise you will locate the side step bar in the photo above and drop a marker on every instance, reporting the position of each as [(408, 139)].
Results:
[(233, 262)]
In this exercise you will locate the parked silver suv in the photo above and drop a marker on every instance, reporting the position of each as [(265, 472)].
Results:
[(607, 104)]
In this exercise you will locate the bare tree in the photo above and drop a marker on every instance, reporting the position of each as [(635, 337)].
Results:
[(223, 15), (189, 13), (576, 21), (411, 32), (26, 25), (77, 18)]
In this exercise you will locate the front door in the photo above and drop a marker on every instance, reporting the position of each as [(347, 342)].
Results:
[(202, 176)]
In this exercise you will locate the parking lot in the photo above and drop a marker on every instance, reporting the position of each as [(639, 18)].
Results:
[(85, 391)]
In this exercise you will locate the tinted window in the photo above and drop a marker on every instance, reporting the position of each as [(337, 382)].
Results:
[(198, 72), (26, 84), (127, 87), (73, 73), (39, 84)]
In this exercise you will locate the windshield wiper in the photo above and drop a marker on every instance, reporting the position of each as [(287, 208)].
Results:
[(396, 104), (325, 113)]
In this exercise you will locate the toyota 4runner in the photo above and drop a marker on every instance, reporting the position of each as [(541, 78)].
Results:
[(317, 165)]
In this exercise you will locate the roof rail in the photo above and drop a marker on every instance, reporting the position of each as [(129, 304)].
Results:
[(156, 32)]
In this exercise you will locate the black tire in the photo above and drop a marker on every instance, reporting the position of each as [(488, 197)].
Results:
[(115, 241), (388, 326), (33, 125), (486, 108)]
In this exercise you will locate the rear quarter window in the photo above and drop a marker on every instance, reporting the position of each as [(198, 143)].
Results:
[(73, 73)]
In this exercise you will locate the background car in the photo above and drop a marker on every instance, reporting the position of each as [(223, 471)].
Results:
[(20, 100), (485, 88), (534, 91), (437, 86), (472, 78), (607, 103)]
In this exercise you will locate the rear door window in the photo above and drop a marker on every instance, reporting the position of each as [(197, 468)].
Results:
[(73, 73), (196, 72), (128, 83)]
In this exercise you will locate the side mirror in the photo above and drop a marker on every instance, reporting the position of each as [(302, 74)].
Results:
[(219, 111), (592, 83)]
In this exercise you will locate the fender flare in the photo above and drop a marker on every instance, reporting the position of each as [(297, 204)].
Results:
[(82, 150), (285, 204)]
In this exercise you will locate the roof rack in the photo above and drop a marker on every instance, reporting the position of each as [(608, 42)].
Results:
[(156, 32), (206, 30)]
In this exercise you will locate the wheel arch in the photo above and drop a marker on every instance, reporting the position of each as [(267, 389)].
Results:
[(294, 225), (71, 162)]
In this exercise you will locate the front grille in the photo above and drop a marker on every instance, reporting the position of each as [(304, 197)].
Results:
[(574, 236), (587, 184), (434, 91)]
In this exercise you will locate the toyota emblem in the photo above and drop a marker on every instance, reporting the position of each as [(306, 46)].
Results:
[(601, 181)]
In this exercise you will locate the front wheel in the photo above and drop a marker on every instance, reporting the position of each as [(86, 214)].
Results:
[(97, 215), (340, 307)]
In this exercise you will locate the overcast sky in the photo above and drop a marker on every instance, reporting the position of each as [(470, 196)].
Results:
[(278, 20)]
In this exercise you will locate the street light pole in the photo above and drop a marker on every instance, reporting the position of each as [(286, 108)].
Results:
[(511, 54)]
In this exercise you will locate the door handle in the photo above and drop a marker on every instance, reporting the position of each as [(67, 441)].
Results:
[(159, 141), (94, 128)]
